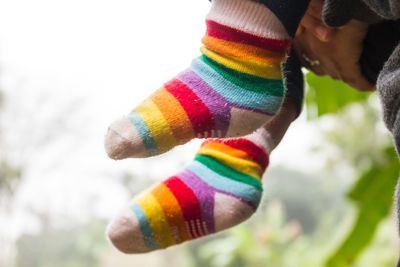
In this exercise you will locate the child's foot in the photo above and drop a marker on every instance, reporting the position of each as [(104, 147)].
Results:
[(219, 189), (231, 90)]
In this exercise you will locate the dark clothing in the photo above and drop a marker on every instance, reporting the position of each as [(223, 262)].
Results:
[(289, 12), (379, 44), (293, 80), (338, 12)]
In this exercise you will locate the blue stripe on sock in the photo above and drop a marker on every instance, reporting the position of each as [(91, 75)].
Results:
[(234, 93), (222, 183), (145, 227), (144, 132)]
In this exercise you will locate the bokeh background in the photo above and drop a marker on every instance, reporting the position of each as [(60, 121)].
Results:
[(69, 68)]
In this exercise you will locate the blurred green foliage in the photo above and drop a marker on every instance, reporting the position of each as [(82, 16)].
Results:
[(10, 177), (325, 95), (373, 195), (373, 191), (77, 245), (10, 174)]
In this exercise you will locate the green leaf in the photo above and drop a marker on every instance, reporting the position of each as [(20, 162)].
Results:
[(325, 95), (373, 194)]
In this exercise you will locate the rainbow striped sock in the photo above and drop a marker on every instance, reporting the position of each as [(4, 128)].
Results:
[(231, 90), (219, 189)]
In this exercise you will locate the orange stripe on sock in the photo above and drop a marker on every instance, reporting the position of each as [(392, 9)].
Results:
[(174, 114), (172, 211), (243, 50)]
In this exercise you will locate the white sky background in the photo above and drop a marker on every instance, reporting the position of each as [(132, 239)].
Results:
[(110, 55)]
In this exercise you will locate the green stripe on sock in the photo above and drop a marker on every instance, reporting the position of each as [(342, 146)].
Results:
[(246, 81), (227, 171)]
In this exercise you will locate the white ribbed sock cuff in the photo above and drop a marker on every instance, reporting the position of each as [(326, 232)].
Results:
[(248, 16)]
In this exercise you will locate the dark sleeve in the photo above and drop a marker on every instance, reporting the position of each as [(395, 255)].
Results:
[(388, 87), (337, 13), (387, 9), (378, 45), (293, 80), (397, 208)]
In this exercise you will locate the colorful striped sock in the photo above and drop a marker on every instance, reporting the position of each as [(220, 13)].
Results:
[(232, 89), (219, 189)]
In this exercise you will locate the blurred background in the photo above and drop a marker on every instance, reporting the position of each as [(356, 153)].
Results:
[(69, 68)]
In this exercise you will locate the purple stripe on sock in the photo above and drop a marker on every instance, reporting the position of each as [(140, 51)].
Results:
[(218, 105), (205, 195)]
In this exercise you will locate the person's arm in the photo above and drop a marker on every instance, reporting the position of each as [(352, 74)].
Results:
[(333, 52)]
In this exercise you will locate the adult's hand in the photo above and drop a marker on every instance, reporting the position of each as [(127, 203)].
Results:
[(334, 52)]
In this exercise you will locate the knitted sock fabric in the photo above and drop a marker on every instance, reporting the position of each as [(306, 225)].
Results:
[(219, 189), (232, 89)]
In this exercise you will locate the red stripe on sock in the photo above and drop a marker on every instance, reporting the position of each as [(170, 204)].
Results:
[(254, 151), (216, 30), (187, 200), (198, 113)]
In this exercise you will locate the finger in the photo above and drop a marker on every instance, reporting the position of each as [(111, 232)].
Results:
[(317, 28), (306, 56), (349, 74), (315, 9)]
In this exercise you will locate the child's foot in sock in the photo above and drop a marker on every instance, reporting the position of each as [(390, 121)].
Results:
[(219, 189), (231, 90)]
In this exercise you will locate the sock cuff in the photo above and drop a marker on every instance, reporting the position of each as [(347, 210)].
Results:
[(250, 149), (248, 16)]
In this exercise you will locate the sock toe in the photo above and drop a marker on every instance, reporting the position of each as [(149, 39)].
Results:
[(123, 141), (125, 234)]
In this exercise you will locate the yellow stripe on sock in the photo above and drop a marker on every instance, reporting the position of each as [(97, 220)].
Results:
[(158, 222), (232, 157), (244, 51), (174, 114), (157, 125), (260, 69)]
